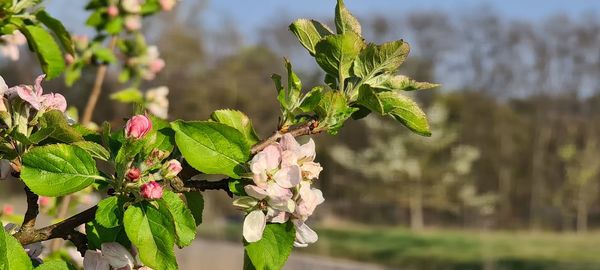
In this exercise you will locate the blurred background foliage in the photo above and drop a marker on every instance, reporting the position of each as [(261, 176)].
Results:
[(509, 179)]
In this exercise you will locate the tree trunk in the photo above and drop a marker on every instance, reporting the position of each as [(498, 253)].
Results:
[(582, 211), (416, 207), (536, 203)]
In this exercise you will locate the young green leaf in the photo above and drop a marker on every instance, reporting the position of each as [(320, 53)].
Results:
[(294, 85), (98, 234), (185, 225), (237, 120), (110, 212), (129, 95), (58, 169), (309, 33), (273, 250), (311, 99), (195, 202), (333, 110), (378, 59), (58, 28), (94, 149), (406, 111), (12, 254), (63, 132), (48, 52), (344, 21), (212, 148), (336, 53), (367, 98), (55, 265), (387, 82), (152, 231)]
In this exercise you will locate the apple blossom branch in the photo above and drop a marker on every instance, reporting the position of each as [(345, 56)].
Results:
[(66, 229)]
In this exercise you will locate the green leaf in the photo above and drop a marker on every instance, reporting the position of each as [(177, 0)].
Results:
[(406, 111), (63, 132), (129, 95), (114, 25), (161, 137), (309, 33), (236, 186), (344, 21), (185, 225), (12, 254), (388, 82), (98, 234), (311, 99), (237, 120), (41, 135), (195, 202), (103, 54), (152, 231), (333, 110), (378, 59), (95, 19), (272, 251), (55, 265), (58, 169), (335, 54), (58, 28), (48, 52), (110, 212), (367, 98), (212, 148), (94, 149)]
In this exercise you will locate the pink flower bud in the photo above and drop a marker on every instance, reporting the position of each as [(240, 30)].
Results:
[(113, 11), (171, 169), (156, 65), (69, 59), (151, 190), (133, 22), (8, 209), (167, 5), (138, 126), (44, 201), (133, 174)]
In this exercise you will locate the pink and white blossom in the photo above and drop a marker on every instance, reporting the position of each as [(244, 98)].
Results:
[(171, 169), (34, 96), (11, 43), (282, 175), (151, 190), (132, 6), (117, 255), (93, 260), (167, 5)]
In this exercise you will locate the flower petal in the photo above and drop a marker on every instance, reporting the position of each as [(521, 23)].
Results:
[(307, 150), (288, 177), (93, 261), (26, 93), (288, 142), (304, 234), (38, 85), (54, 101), (255, 192), (254, 225)]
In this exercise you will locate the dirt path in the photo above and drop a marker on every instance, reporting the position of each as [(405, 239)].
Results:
[(218, 255)]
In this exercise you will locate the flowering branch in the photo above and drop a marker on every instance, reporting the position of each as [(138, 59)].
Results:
[(66, 229)]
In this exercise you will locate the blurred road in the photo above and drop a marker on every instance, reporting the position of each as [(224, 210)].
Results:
[(218, 255)]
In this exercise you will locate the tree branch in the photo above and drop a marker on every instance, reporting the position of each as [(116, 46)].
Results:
[(33, 209), (307, 128)]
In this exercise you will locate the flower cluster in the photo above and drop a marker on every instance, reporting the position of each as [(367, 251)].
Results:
[(112, 255), (157, 102), (147, 173), (282, 175), (33, 95), (147, 64), (10, 45)]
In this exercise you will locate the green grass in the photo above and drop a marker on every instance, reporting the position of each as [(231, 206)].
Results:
[(454, 249)]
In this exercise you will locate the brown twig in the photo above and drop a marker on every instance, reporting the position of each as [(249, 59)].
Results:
[(33, 209), (307, 128)]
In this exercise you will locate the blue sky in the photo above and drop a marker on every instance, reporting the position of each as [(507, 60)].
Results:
[(258, 12)]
